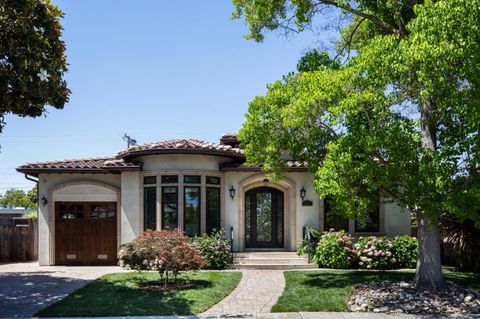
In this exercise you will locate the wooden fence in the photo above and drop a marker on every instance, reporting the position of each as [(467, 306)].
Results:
[(18, 240)]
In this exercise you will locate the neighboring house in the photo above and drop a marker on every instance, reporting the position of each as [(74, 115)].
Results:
[(9, 213), (88, 207)]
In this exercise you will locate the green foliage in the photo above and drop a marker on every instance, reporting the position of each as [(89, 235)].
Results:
[(335, 250), (402, 114), (313, 60), (17, 198), (164, 251), (304, 247), (215, 249), (339, 250), (405, 251), (32, 58), (32, 216)]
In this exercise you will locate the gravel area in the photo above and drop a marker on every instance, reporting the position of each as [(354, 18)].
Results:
[(402, 297)]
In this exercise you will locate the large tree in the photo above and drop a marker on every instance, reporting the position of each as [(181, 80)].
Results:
[(32, 58), (15, 198), (401, 116)]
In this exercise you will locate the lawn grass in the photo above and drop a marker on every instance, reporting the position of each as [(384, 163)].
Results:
[(327, 290), (119, 295)]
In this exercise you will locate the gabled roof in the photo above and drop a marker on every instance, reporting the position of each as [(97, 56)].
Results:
[(182, 146), (85, 165)]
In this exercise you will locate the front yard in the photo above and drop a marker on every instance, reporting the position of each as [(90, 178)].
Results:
[(327, 290), (120, 294)]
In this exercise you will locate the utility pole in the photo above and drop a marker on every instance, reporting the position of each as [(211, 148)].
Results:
[(130, 141)]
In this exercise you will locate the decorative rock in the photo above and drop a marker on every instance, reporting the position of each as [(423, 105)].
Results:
[(401, 297)]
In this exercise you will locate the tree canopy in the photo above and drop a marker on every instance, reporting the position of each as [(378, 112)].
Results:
[(32, 58), (400, 115), (15, 198)]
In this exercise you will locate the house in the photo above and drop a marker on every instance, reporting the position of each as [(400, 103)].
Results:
[(17, 212), (88, 207)]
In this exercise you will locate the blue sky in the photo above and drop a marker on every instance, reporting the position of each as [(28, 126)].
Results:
[(153, 69)]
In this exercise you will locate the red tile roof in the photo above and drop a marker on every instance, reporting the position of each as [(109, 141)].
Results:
[(92, 165), (291, 166), (125, 160), (182, 146)]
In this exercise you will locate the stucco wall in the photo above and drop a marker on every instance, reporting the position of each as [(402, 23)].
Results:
[(130, 220), (46, 221)]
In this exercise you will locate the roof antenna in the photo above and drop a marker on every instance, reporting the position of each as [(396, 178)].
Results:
[(130, 141)]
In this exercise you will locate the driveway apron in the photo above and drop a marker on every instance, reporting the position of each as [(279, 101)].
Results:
[(26, 288)]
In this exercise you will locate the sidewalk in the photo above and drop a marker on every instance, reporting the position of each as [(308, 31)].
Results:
[(298, 315)]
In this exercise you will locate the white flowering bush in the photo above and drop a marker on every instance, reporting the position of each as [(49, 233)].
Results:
[(375, 253)]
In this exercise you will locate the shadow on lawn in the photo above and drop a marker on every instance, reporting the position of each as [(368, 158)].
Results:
[(342, 279), (106, 297)]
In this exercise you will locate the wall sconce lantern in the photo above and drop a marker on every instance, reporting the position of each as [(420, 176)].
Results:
[(303, 192), (265, 182), (232, 192), (44, 201)]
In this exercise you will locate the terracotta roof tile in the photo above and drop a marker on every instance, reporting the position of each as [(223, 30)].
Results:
[(81, 165), (290, 165), (181, 146)]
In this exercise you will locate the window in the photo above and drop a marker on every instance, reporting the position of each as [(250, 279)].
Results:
[(213, 180), (370, 222), (192, 210), (191, 179), (149, 208), (332, 219), (102, 211), (169, 207), (213, 209), (169, 179), (149, 180), (71, 211)]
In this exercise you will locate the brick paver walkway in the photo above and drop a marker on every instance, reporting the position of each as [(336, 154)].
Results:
[(256, 293)]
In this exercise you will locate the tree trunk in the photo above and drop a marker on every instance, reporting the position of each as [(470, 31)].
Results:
[(428, 274)]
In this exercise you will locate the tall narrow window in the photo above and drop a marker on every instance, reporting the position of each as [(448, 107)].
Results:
[(170, 207), (213, 209), (369, 222), (149, 208), (332, 219), (192, 210)]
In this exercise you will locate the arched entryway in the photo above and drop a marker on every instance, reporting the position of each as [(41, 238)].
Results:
[(264, 218)]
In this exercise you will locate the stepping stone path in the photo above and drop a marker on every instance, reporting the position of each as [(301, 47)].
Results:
[(257, 292)]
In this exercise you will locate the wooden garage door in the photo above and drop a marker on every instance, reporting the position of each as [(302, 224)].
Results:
[(85, 233)]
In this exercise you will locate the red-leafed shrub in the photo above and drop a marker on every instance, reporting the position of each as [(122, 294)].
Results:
[(165, 251)]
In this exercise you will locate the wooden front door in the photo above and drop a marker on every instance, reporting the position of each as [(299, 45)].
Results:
[(264, 218), (85, 233)]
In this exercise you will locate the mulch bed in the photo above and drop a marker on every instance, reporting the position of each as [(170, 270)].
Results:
[(171, 285)]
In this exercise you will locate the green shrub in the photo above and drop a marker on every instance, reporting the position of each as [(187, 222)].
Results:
[(215, 249), (335, 250), (375, 253), (302, 249), (405, 250)]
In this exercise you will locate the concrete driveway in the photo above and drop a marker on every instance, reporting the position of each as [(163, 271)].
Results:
[(26, 288)]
